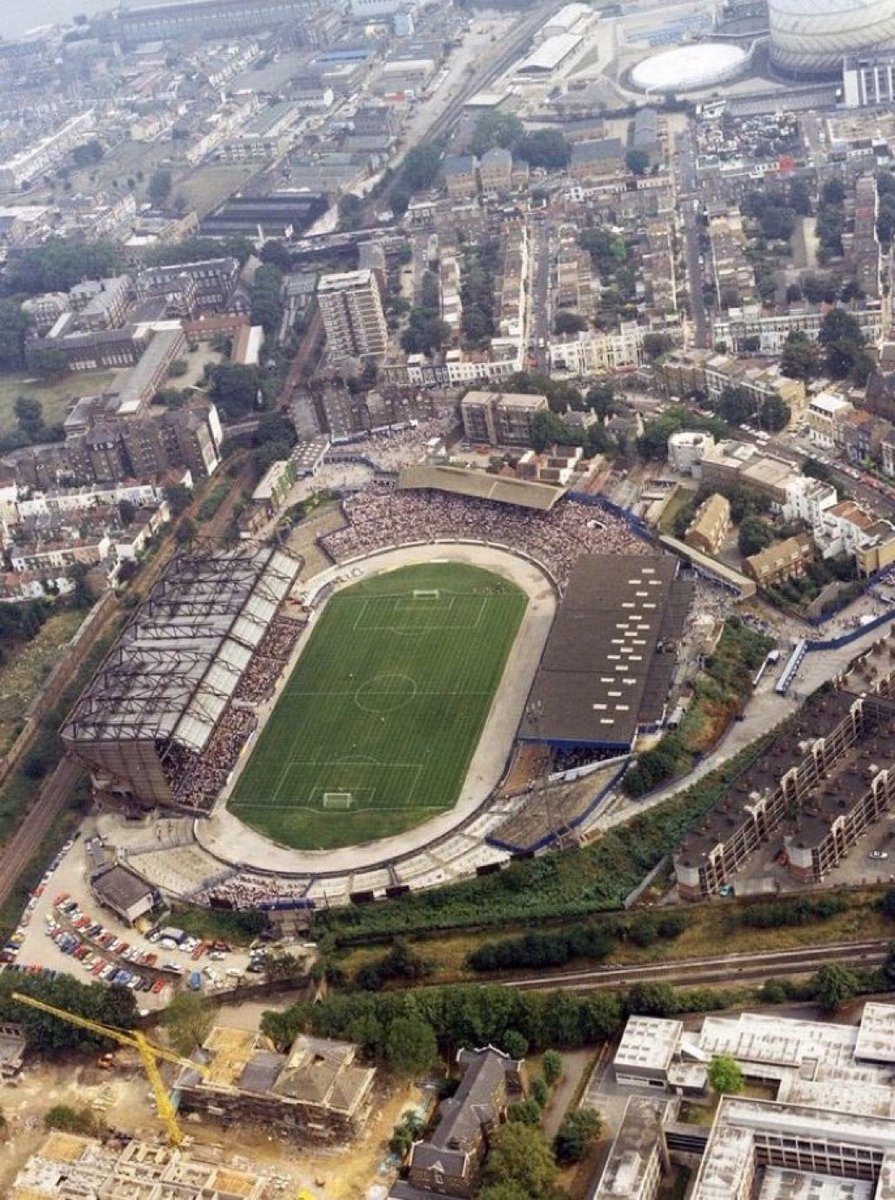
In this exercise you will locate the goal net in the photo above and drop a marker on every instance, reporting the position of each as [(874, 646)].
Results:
[(337, 799)]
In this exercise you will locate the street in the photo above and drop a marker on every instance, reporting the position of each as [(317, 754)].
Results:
[(685, 173)]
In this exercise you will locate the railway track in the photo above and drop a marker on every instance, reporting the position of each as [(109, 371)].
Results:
[(728, 968), (32, 834)]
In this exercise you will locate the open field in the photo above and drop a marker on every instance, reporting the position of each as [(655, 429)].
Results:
[(376, 727), (56, 397)]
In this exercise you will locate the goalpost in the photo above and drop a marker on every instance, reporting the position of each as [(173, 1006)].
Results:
[(338, 800)]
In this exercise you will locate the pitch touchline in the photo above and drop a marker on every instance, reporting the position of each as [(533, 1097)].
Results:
[(410, 698)]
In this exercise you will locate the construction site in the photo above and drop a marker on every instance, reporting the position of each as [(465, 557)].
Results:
[(256, 1125)]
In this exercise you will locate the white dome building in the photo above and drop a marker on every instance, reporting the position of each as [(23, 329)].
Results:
[(690, 68), (811, 37)]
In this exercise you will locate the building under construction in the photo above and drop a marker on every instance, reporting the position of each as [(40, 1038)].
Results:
[(314, 1095), (817, 789), (161, 722), (67, 1167)]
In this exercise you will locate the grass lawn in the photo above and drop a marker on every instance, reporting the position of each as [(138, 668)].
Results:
[(375, 730), (56, 396)]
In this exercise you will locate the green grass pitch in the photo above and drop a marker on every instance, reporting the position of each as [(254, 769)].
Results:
[(386, 703)]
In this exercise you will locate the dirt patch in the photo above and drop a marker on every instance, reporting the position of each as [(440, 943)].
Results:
[(121, 1099)]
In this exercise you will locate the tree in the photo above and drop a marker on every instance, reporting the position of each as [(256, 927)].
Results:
[(655, 345), (755, 535), (178, 496), (637, 161), (185, 531), (420, 167), (47, 361), (127, 510), (514, 1044), (833, 986), (652, 1000), (14, 324), (552, 1067), (71, 1120), (725, 1075), (774, 414), (528, 1112), (520, 1157), (800, 358), (188, 1020), (88, 153), (578, 1131), (495, 128), (29, 414), (547, 429), (544, 148), (59, 264), (410, 1045), (235, 389), (569, 322), (842, 340), (351, 211), (195, 249), (159, 187)]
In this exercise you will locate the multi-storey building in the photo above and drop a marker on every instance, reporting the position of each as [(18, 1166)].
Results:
[(735, 329), (496, 170), (108, 306), (500, 418), (868, 82), (351, 307), (448, 1162), (191, 288), (710, 525), (460, 176), (781, 560), (821, 785)]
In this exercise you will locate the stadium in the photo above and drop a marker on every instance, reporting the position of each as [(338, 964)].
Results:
[(384, 723)]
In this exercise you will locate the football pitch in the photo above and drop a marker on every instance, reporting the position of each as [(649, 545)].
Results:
[(376, 727)]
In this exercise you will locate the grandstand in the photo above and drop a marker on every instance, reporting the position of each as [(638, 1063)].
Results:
[(162, 722), (608, 663)]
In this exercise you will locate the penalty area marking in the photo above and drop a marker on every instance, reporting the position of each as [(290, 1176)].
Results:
[(339, 771), (405, 603)]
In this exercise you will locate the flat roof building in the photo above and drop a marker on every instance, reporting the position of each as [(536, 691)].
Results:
[(124, 892), (351, 308), (500, 418)]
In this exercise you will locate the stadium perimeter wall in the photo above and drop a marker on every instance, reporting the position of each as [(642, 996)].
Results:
[(232, 843)]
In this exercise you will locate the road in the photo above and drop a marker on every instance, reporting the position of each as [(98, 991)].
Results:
[(539, 306), (685, 172), (724, 969)]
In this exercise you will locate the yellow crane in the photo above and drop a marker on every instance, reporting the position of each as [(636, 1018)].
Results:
[(149, 1053)]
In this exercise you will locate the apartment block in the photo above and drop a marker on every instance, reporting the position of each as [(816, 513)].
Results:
[(500, 418), (351, 307), (819, 787)]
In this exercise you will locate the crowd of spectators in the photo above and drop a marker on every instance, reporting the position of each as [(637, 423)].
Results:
[(246, 890), (269, 660), (205, 774), (383, 516)]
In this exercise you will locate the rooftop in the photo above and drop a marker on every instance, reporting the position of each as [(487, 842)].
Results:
[(610, 655), (465, 481)]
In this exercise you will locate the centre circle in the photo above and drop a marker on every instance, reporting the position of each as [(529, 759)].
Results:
[(385, 693)]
